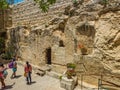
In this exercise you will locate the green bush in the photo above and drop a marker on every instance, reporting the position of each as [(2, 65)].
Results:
[(104, 2), (71, 65), (60, 77), (6, 53), (7, 56)]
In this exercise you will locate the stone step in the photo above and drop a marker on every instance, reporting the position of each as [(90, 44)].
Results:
[(45, 68), (54, 74), (39, 72)]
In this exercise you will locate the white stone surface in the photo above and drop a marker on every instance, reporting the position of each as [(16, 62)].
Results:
[(39, 83)]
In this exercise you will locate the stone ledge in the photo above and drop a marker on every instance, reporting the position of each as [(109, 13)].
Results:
[(54, 74), (68, 84)]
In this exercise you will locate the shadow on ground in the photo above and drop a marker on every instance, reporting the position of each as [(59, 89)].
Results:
[(18, 76), (33, 82), (8, 87)]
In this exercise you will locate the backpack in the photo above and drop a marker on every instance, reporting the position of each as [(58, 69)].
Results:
[(11, 64), (5, 73)]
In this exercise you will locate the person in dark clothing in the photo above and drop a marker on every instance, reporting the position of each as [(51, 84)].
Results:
[(28, 72)]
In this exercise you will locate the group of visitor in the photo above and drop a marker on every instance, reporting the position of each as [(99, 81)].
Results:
[(13, 66)]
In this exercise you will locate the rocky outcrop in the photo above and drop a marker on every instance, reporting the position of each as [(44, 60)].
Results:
[(97, 29), (63, 38)]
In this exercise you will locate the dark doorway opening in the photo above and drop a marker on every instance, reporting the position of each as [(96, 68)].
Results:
[(3, 35), (61, 44), (48, 56)]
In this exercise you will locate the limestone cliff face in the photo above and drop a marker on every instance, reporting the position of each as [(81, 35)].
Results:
[(97, 29), (87, 33), (107, 39)]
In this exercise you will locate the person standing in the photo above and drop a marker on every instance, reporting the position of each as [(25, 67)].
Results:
[(2, 76), (28, 72), (14, 68)]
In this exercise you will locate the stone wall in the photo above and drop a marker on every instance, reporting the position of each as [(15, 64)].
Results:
[(28, 12), (36, 32), (5, 19), (58, 55)]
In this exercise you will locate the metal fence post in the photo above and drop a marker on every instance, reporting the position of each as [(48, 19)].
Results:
[(81, 81)]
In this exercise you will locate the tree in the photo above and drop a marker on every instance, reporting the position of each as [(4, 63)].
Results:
[(3, 4), (45, 4)]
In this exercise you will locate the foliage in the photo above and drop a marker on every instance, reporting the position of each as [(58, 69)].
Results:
[(70, 73), (2, 44), (74, 1), (104, 2), (45, 4), (6, 55), (3, 4), (60, 77), (70, 70), (71, 65)]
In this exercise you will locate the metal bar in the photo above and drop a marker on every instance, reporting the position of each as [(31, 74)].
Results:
[(101, 81), (81, 81), (98, 84)]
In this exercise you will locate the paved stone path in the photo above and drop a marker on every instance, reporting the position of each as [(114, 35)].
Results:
[(38, 82)]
